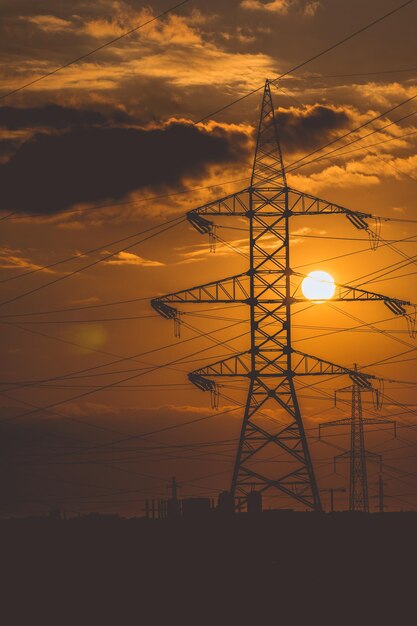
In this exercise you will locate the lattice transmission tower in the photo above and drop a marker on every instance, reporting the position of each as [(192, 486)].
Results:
[(271, 455), (358, 455)]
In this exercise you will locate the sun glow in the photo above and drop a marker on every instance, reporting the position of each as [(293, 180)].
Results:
[(318, 286)]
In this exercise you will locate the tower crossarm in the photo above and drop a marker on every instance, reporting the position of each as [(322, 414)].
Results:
[(367, 454), (300, 203), (234, 204), (347, 421), (231, 289), (238, 365), (307, 365), (348, 293), (275, 366), (266, 201)]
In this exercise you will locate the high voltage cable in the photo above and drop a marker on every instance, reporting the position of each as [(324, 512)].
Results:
[(340, 256), (296, 165), (379, 330), (200, 334), (362, 239), (406, 343), (210, 317), (89, 265), (80, 255), (193, 189), (97, 49), (95, 306), (127, 203), (310, 59), (411, 260), (372, 145), (366, 148), (397, 470), (388, 269), (104, 445), (380, 280), (132, 357), (177, 6), (141, 299), (43, 382), (72, 419), (376, 72), (83, 394), (103, 387)]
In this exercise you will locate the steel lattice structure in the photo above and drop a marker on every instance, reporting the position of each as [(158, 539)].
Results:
[(358, 455), (270, 365)]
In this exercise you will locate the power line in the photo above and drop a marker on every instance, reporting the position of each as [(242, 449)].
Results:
[(105, 386), (80, 255), (89, 265), (373, 73), (95, 50), (296, 165), (310, 59), (127, 203)]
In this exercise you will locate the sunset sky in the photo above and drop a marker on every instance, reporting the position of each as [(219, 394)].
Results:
[(95, 155)]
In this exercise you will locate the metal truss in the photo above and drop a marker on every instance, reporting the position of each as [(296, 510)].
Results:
[(358, 455), (237, 289), (273, 453)]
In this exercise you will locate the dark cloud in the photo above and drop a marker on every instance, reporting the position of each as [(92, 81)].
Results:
[(302, 129), (55, 116), (52, 172)]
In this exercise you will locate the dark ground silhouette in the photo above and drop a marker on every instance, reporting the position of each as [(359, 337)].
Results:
[(274, 568)]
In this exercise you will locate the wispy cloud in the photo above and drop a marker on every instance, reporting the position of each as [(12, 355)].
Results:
[(16, 259), (275, 6), (128, 258), (283, 7), (47, 23)]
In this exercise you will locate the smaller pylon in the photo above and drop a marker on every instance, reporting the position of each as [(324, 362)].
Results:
[(381, 495), (358, 454)]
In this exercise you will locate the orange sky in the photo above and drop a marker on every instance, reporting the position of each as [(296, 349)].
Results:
[(108, 148)]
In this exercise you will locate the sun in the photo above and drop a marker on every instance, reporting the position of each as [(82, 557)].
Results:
[(318, 286)]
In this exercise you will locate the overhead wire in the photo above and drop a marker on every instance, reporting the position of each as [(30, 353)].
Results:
[(85, 253), (310, 59), (102, 259), (95, 50), (376, 21)]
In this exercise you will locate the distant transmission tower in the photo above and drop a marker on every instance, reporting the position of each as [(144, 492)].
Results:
[(358, 454), (272, 455)]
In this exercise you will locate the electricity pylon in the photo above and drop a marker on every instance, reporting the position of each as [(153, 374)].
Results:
[(358, 454), (381, 494), (271, 364)]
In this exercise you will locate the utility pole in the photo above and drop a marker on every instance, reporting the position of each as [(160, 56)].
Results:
[(332, 491), (173, 504), (271, 364), (381, 493), (357, 453), (174, 489)]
